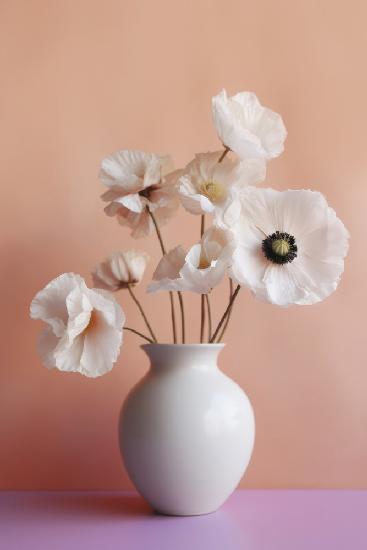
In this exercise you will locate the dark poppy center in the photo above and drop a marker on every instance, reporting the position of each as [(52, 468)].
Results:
[(280, 247)]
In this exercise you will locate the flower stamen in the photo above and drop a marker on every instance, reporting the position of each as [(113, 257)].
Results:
[(280, 247), (213, 190), (204, 263)]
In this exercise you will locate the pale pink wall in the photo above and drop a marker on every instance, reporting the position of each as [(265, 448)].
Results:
[(80, 79)]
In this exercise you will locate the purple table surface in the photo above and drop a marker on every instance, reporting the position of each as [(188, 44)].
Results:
[(250, 520)]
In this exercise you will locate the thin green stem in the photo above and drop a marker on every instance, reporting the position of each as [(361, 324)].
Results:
[(139, 334), (140, 307), (234, 295), (209, 311), (229, 312)]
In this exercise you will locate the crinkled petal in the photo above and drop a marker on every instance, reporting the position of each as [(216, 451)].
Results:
[(170, 265), (282, 286), (318, 278), (101, 349), (170, 180), (49, 304), (167, 285), (117, 192), (167, 274), (80, 312), (164, 197), (152, 175), (227, 216), (114, 209), (258, 209), (249, 172), (248, 266), (193, 257), (329, 241), (141, 224), (125, 168), (132, 202), (164, 214), (298, 211), (116, 317), (68, 353), (293, 284)]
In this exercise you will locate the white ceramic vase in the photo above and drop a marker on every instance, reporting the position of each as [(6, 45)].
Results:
[(186, 430)]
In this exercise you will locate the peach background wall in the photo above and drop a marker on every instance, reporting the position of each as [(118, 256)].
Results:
[(81, 79)]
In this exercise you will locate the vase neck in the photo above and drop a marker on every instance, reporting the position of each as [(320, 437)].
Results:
[(173, 356)]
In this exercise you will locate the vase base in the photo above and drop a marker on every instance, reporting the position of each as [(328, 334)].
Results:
[(183, 514)]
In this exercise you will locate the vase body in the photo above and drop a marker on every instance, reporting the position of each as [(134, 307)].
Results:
[(186, 430)]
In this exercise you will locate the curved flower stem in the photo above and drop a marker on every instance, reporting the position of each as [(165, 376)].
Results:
[(132, 294), (173, 313), (158, 231), (209, 316), (229, 312), (229, 307), (139, 334), (226, 150)]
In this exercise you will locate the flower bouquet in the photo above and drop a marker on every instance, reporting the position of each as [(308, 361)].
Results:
[(187, 430)]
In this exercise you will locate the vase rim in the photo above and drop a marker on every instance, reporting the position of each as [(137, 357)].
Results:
[(194, 345)]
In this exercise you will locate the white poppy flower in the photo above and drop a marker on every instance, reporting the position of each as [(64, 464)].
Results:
[(120, 270), (290, 246), (85, 326), (200, 270), (207, 186), (137, 181), (246, 127)]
